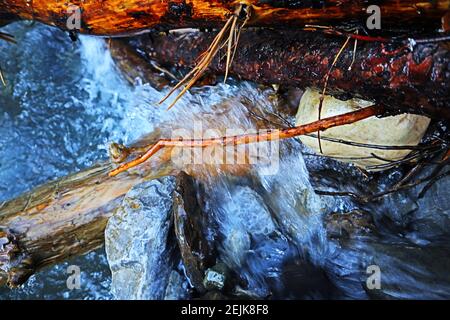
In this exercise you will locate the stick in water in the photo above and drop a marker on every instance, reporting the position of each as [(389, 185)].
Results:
[(316, 126)]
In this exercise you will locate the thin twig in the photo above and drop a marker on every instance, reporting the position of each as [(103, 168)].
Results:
[(2, 78), (7, 37), (370, 146), (410, 174), (412, 156), (366, 199), (327, 77), (270, 135)]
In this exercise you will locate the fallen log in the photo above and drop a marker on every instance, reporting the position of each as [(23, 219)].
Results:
[(119, 17), (403, 77), (61, 219)]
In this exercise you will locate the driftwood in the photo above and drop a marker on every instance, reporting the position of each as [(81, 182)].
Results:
[(407, 78), (119, 17), (63, 218)]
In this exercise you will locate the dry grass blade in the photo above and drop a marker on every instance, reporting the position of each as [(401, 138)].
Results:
[(7, 37), (231, 37), (327, 78), (231, 28), (2, 79)]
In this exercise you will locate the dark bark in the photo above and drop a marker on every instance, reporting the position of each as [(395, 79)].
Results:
[(133, 66), (402, 78)]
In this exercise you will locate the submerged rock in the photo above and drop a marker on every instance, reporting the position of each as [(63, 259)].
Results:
[(431, 220), (138, 242), (177, 287), (349, 225), (404, 270), (425, 219), (251, 245)]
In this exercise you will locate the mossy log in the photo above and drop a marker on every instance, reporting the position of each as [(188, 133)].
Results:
[(119, 17)]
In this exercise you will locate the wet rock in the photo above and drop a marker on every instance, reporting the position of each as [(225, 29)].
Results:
[(421, 220), (411, 271), (138, 244), (214, 295), (296, 207), (404, 129), (177, 287), (252, 245), (406, 270), (431, 220), (246, 216), (191, 225), (300, 279), (133, 66), (349, 225)]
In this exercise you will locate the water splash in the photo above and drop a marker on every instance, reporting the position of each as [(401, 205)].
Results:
[(66, 101)]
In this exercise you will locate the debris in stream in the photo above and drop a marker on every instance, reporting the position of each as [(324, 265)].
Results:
[(312, 228), (404, 130)]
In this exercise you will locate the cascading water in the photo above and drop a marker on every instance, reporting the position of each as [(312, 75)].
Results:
[(66, 101)]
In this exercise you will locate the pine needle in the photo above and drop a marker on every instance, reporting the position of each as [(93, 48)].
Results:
[(221, 40)]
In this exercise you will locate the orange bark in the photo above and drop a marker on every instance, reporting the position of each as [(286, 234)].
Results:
[(118, 17), (271, 135)]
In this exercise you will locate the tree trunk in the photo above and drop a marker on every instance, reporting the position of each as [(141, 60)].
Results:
[(119, 17), (413, 80)]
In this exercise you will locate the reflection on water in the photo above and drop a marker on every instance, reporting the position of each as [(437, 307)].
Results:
[(66, 101)]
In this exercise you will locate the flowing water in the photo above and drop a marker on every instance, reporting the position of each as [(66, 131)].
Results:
[(65, 102)]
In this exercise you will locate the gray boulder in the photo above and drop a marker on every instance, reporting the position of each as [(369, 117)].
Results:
[(137, 242)]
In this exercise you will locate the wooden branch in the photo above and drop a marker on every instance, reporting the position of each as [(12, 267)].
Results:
[(119, 17), (412, 79), (270, 135)]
